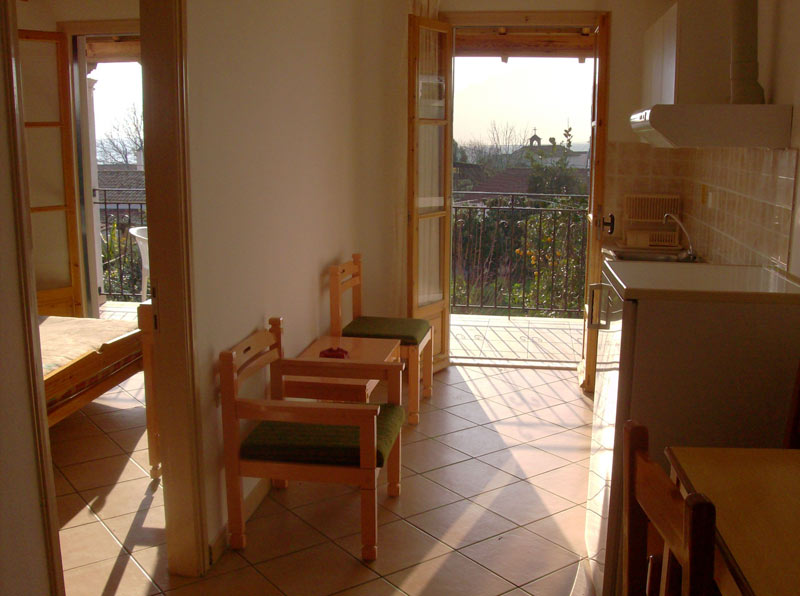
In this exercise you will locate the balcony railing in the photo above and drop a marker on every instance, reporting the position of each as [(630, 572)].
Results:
[(518, 253), (116, 211)]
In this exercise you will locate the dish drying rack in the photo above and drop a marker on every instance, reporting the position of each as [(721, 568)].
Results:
[(643, 220)]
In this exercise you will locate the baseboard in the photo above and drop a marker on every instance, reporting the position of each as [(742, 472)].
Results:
[(251, 502)]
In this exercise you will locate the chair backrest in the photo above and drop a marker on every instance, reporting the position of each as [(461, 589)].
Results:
[(140, 235), (342, 278), (687, 526), (259, 349)]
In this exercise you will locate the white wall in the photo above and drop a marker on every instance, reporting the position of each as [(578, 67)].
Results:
[(297, 158)]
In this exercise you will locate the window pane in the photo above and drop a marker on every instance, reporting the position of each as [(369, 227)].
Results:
[(430, 275), (430, 75), (430, 158)]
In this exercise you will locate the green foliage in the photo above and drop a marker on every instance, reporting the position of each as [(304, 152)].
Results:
[(551, 172)]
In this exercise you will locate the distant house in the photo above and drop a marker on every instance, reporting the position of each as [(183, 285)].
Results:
[(121, 182)]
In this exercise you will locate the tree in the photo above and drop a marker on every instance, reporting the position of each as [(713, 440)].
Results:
[(551, 172), (125, 139), (500, 152)]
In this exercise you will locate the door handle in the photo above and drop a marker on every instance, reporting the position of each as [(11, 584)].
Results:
[(608, 223), (595, 290)]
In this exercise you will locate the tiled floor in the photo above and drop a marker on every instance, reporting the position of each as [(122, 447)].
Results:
[(492, 503), (534, 340)]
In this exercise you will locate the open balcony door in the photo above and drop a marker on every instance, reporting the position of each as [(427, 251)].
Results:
[(430, 133), (588, 364), (48, 137)]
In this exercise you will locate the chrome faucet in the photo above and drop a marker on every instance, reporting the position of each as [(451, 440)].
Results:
[(690, 255)]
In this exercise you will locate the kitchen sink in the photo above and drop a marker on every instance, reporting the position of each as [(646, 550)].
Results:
[(644, 254)]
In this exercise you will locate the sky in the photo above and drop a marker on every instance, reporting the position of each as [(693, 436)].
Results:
[(548, 94), (118, 86)]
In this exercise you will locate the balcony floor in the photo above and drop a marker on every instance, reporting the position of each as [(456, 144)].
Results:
[(519, 340)]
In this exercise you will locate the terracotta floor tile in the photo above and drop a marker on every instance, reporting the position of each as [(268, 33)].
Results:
[(121, 419), (574, 580), (418, 494), (569, 444), (482, 411), (377, 587), (570, 482), (130, 440), (565, 528), (76, 451), (303, 493), (242, 582), (339, 516), (430, 454), (486, 386), (445, 396), (524, 461), (400, 545), (277, 535), (140, 530), (112, 401), (524, 401), (124, 497), (317, 571), (522, 502), (461, 523), (470, 478), (520, 556), (449, 575), (569, 415), (73, 511), (528, 378), (114, 576), (441, 422), (154, 562), (477, 441), (526, 427), (76, 426), (87, 544), (102, 472), (62, 486)]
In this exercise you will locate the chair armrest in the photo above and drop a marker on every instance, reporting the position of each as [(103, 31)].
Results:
[(342, 369), (340, 414)]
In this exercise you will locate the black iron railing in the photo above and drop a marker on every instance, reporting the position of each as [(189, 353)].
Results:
[(118, 210), (518, 253)]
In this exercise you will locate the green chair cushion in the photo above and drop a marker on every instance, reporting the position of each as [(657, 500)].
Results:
[(410, 332), (321, 443)]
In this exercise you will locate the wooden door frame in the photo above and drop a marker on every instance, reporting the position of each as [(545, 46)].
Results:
[(164, 55), (165, 112), (599, 24)]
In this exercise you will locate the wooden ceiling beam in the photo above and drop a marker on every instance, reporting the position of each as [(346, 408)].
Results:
[(521, 45)]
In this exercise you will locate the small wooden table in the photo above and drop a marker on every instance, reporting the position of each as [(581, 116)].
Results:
[(757, 496), (364, 349)]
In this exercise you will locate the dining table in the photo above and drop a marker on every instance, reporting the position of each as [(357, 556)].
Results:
[(756, 493)]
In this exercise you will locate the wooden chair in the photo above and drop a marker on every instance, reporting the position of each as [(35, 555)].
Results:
[(307, 439), (687, 527), (415, 335)]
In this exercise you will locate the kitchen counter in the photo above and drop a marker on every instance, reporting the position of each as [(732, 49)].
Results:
[(636, 280)]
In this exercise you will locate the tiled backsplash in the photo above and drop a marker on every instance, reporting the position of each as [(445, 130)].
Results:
[(737, 202)]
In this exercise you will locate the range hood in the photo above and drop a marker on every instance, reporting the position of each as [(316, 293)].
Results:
[(744, 122), (715, 125)]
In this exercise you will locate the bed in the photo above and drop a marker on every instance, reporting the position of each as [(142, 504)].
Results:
[(82, 358)]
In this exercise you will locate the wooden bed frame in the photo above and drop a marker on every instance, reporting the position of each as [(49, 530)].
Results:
[(91, 375)]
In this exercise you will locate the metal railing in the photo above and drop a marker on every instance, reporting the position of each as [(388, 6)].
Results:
[(519, 253), (116, 211)]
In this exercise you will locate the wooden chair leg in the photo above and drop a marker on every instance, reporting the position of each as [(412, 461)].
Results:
[(427, 368), (369, 523), (238, 539), (413, 384), (278, 483), (394, 469)]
